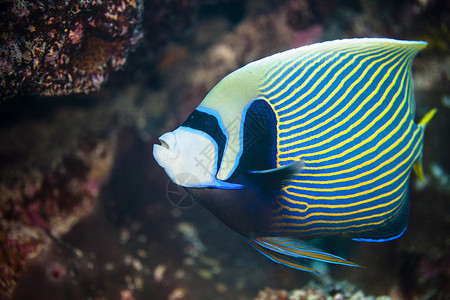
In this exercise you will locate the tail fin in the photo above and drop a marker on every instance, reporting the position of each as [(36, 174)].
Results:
[(417, 167), (428, 116)]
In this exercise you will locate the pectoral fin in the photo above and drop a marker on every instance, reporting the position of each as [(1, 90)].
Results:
[(274, 178), (219, 184)]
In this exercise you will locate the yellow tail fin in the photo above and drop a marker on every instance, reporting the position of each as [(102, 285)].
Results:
[(417, 167), (428, 116)]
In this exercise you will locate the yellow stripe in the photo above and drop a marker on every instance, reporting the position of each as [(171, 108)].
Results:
[(280, 258), (319, 61), (284, 216), (344, 143), (403, 163), (401, 200), (359, 133), (308, 205), (330, 69), (336, 103), (312, 253), (283, 67), (314, 59), (369, 139), (352, 114), (333, 228), (280, 69), (330, 83), (353, 195), (318, 64), (366, 163)]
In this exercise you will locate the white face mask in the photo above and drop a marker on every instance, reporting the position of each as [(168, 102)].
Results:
[(189, 157)]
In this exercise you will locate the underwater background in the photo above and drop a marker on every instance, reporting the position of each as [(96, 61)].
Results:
[(87, 87)]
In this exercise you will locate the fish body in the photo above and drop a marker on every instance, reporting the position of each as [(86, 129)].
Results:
[(313, 142)]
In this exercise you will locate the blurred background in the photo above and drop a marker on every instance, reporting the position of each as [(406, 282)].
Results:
[(88, 86)]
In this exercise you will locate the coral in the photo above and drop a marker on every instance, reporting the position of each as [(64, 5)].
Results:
[(312, 291), (93, 55), (54, 53), (36, 205), (19, 243), (48, 201)]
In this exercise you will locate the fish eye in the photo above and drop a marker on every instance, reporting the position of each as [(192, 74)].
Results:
[(164, 144)]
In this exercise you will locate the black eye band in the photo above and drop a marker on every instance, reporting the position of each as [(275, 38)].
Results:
[(207, 123)]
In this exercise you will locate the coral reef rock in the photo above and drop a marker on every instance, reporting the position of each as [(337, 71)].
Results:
[(50, 178), (59, 48), (312, 291)]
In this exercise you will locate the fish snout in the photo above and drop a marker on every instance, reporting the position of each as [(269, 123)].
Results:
[(166, 150), (168, 140)]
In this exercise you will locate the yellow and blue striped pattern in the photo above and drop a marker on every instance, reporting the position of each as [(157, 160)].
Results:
[(345, 108), (287, 252), (347, 111)]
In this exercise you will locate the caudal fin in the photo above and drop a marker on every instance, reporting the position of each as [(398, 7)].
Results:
[(417, 167)]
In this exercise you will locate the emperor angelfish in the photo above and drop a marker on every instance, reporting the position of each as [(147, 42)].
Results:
[(313, 142)]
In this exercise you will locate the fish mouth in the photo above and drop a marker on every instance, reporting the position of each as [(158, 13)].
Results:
[(168, 141), (166, 149), (163, 143), (160, 153)]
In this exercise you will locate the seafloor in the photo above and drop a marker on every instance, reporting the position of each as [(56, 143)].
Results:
[(87, 87)]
